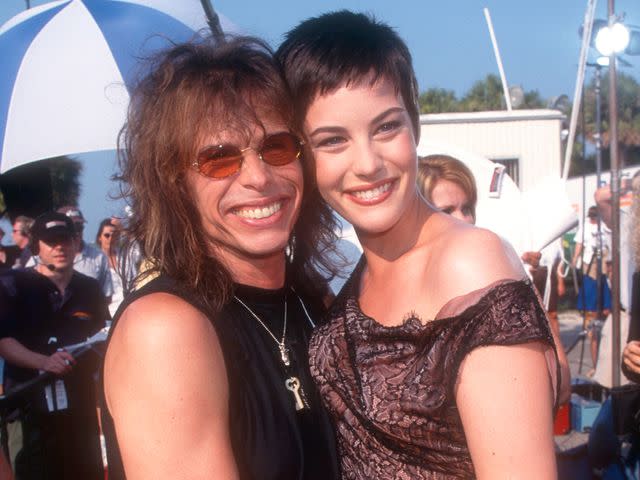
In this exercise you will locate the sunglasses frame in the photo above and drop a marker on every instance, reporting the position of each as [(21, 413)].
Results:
[(196, 163)]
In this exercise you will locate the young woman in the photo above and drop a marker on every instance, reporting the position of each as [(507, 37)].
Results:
[(206, 372), (107, 241), (437, 360)]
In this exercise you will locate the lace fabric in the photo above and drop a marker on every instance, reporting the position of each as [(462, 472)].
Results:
[(390, 390)]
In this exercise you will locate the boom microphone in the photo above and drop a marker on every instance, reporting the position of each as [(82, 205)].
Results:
[(51, 267)]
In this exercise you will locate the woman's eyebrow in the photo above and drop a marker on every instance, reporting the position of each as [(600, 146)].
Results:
[(338, 129)]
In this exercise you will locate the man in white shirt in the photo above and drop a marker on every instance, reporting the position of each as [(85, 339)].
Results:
[(588, 240)]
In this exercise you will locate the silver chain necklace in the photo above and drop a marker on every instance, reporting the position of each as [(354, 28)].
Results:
[(292, 383), (284, 351)]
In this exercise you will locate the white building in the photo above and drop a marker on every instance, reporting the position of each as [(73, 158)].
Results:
[(526, 142)]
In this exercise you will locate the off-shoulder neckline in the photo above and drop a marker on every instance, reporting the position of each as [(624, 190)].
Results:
[(413, 321)]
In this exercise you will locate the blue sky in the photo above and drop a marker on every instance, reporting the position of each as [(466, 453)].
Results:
[(449, 41)]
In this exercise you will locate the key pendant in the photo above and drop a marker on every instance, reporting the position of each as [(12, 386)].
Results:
[(293, 385), (284, 355)]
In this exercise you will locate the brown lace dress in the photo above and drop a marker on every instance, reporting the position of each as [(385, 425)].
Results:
[(390, 390)]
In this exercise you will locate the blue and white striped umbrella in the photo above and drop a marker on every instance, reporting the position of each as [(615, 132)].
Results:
[(66, 68)]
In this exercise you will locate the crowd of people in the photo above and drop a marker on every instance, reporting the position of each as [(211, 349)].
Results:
[(228, 354), (55, 290)]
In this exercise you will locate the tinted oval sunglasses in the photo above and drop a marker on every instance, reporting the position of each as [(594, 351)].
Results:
[(221, 161)]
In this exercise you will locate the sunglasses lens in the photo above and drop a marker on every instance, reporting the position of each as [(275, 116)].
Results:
[(219, 161), (280, 149)]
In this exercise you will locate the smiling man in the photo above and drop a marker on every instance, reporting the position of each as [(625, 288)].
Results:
[(45, 308)]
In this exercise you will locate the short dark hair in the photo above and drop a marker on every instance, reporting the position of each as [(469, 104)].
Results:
[(323, 53)]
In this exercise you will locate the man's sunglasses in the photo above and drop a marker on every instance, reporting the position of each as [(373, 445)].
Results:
[(221, 161)]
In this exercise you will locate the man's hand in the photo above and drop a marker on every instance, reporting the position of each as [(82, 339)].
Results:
[(59, 363), (631, 356), (532, 259)]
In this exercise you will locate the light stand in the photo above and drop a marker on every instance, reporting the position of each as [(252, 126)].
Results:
[(615, 205), (598, 138), (610, 41)]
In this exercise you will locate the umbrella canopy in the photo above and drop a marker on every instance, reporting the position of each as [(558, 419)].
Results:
[(66, 69)]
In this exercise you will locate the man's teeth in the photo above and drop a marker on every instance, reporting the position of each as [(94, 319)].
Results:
[(373, 193), (257, 213)]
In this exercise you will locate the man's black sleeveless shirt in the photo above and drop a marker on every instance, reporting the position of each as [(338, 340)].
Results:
[(270, 439)]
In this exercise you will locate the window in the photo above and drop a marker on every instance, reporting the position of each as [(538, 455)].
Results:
[(511, 168)]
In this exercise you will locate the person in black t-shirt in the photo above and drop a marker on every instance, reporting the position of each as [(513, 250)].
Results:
[(206, 372), (44, 309)]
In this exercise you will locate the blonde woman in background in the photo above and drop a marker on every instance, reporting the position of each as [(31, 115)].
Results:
[(449, 185)]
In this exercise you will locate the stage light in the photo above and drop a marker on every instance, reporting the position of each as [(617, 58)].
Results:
[(612, 39)]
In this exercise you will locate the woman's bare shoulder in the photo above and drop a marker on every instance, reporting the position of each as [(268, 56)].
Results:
[(471, 258)]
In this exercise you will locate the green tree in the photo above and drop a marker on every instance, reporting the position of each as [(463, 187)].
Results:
[(532, 99), (484, 95), (488, 94), (65, 180), (438, 100), (628, 93), (38, 187)]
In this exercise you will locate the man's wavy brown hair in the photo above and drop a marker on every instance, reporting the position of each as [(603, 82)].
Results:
[(192, 89)]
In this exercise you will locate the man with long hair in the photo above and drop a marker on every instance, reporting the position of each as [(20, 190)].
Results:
[(206, 372)]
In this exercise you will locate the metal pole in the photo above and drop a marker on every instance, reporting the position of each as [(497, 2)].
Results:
[(213, 21), (581, 292), (28, 2), (598, 139), (577, 94), (615, 214), (496, 51)]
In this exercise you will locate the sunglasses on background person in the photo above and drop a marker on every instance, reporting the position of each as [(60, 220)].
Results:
[(221, 161)]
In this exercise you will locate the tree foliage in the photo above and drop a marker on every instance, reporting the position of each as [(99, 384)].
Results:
[(484, 95), (65, 180), (628, 93), (438, 100), (42, 186)]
